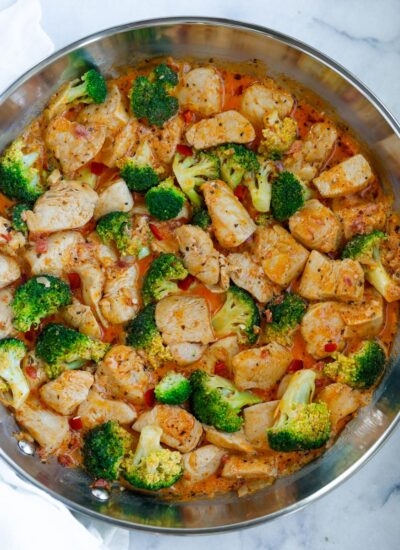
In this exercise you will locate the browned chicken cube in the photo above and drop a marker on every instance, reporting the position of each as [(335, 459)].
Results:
[(350, 176), (321, 325), (67, 391)]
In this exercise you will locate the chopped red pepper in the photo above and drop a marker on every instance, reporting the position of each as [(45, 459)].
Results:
[(97, 168), (31, 372), (330, 346), (240, 192), (186, 283), (156, 232), (295, 365), (31, 335), (184, 150), (74, 280), (149, 397), (75, 423), (188, 116), (41, 245), (221, 369), (101, 484), (268, 316)]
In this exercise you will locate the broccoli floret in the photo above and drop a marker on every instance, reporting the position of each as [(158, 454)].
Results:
[(39, 297), (366, 249), (17, 217), (235, 161), (283, 315), (152, 467), (159, 278), (103, 450), (287, 196), (165, 201), (115, 227), (192, 171), (239, 315), (62, 348), (301, 425), (20, 179), (173, 389), (12, 351), (90, 88), (259, 185), (142, 333), (361, 369), (140, 172), (263, 219), (202, 218), (217, 402), (150, 99), (278, 135)]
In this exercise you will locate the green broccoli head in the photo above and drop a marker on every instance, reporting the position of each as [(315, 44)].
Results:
[(62, 348), (300, 425), (287, 196), (90, 88), (283, 314), (142, 333), (12, 351), (165, 201), (140, 172), (115, 228), (159, 278), (360, 370), (216, 401), (192, 171), (164, 75), (17, 217), (152, 467), (103, 450), (38, 298), (259, 185), (278, 135), (239, 315), (173, 389), (235, 161), (202, 218), (20, 177)]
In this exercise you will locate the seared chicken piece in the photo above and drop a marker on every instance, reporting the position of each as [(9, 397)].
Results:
[(9, 270), (49, 429), (235, 441), (6, 313), (230, 220), (350, 176), (259, 99), (220, 351), (111, 113), (199, 255), (165, 140), (316, 227), (280, 255), (309, 156), (74, 144), (92, 284), (56, 259), (116, 197), (82, 318), (123, 374), (117, 147), (101, 252), (31, 360), (257, 419), (10, 241), (200, 90), (120, 301), (247, 274), (184, 319), (202, 463), (260, 367), (181, 430), (361, 217), (342, 401), (96, 409), (67, 391), (66, 205), (185, 353), (250, 467), (321, 325), (325, 279), (226, 127), (364, 319)]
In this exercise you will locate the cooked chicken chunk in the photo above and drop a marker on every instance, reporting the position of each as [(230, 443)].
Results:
[(56, 259), (181, 430), (202, 463), (231, 221), (248, 274), (250, 467), (342, 401), (123, 374), (66, 205), (257, 419), (165, 140), (67, 391), (281, 257), (120, 301), (49, 429), (350, 176), (116, 197), (111, 113), (306, 160), (226, 127), (82, 318), (74, 144), (92, 284), (9, 270), (316, 227), (117, 147), (325, 279), (364, 319), (235, 441), (103, 253), (10, 241), (323, 324), (361, 218), (199, 255), (96, 409), (259, 99), (200, 90), (184, 319), (220, 351), (260, 367), (186, 353), (6, 313)]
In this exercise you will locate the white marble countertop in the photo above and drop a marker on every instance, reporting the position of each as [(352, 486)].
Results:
[(364, 36)]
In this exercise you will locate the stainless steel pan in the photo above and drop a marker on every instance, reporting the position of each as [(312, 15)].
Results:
[(227, 40)]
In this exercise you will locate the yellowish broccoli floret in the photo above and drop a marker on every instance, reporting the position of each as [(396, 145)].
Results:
[(278, 135)]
